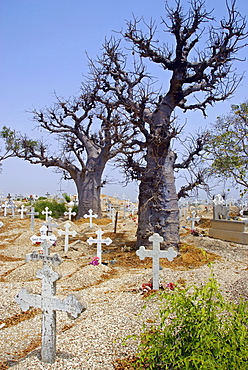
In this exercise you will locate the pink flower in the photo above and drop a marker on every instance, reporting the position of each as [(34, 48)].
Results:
[(95, 261)]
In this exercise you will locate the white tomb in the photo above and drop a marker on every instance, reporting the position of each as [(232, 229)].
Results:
[(156, 254)]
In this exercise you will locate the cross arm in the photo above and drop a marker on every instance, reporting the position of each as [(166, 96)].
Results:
[(70, 305), (27, 300)]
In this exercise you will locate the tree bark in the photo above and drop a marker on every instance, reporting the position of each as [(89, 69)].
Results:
[(158, 203)]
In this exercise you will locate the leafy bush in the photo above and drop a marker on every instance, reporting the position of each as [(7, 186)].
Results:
[(57, 208), (198, 329), (66, 197)]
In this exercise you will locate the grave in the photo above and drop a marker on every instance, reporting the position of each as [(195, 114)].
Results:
[(32, 213), (46, 212), (220, 209), (45, 255), (90, 216), (22, 210), (67, 233), (99, 242), (230, 230), (50, 225), (49, 304), (70, 213), (155, 253), (193, 219)]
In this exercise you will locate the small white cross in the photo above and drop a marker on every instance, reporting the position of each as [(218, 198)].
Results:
[(156, 254), (90, 216), (5, 206), (22, 210), (1, 223), (193, 219), (32, 213), (67, 233), (99, 242), (46, 212), (39, 239), (70, 213)]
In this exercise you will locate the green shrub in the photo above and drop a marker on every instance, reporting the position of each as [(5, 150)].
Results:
[(66, 197), (198, 329), (57, 208)]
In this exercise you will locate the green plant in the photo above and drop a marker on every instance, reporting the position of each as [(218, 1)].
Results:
[(57, 208), (198, 329), (66, 197)]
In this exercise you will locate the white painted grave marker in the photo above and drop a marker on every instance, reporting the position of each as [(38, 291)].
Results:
[(90, 216), (49, 304), (39, 239), (22, 210), (193, 219), (99, 242), (156, 254), (46, 212), (67, 233), (50, 225), (45, 256), (5, 206), (70, 213), (32, 213)]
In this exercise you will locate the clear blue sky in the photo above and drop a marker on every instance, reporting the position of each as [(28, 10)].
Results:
[(42, 47)]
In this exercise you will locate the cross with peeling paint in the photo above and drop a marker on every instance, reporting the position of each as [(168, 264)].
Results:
[(156, 254), (45, 256), (49, 304), (99, 242)]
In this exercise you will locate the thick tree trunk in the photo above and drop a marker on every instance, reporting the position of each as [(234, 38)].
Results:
[(158, 203)]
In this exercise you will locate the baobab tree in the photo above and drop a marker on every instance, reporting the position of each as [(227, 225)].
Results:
[(199, 76), (86, 134)]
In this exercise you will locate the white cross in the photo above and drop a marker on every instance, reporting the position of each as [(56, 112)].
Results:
[(193, 219), (70, 213), (32, 213), (67, 233), (90, 216), (156, 254), (50, 225), (22, 210), (99, 242), (1, 223), (46, 212), (49, 304), (12, 206), (5, 206), (45, 256)]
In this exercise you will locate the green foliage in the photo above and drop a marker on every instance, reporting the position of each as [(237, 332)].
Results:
[(228, 146), (198, 329), (57, 208), (66, 197)]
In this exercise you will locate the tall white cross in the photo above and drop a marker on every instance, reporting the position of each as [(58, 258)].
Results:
[(67, 232), (70, 213), (46, 212), (5, 206), (99, 242), (156, 254), (32, 213), (22, 210), (90, 216), (49, 304), (50, 225), (193, 219)]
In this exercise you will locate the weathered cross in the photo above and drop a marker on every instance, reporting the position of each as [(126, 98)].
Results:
[(43, 236), (12, 206), (67, 232), (70, 213), (193, 219), (32, 213), (45, 256), (22, 210), (156, 254), (46, 212), (90, 216), (99, 242), (49, 304), (50, 225)]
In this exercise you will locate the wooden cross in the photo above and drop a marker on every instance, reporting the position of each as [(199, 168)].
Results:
[(22, 210), (49, 304), (156, 254), (39, 239), (90, 216), (99, 242), (67, 233), (46, 212), (50, 225), (70, 213), (193, 219), (32, 213)]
